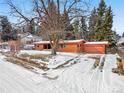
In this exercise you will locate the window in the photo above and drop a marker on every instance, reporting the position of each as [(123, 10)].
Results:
[(62, 45), (47, 46)]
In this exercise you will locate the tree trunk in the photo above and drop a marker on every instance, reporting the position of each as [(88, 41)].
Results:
[(53, 51)]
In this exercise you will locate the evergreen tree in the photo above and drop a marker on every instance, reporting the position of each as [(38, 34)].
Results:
[(6, 28), (108, 24), (92, 24), (100, 23), (102, 8)]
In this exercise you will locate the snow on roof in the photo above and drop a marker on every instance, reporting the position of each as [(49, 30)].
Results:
[(30, 36), (62, 41), (101, 42)]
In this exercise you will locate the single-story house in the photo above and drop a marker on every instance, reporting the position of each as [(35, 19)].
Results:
[(76, 46)]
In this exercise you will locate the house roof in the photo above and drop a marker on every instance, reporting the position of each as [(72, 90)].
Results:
[(29, 36), (100, 42), (62, 41)]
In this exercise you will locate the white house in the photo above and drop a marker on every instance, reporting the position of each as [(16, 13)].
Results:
[(27, 38)]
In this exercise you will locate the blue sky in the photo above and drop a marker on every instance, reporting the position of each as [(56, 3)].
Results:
[(117, 7)]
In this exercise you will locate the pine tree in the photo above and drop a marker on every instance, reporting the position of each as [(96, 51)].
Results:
[(92, 24), (108, 24), (95, 23), (102, 8), (6, 28), (100, 27)]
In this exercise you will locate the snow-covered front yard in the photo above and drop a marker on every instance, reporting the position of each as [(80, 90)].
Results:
[(76, 78)]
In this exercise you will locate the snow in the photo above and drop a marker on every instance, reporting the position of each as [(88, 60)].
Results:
[(28, 47), (58, 60), (4, 50), (77, 78), (55, 61), (117, 55), (102, 42), (33, 52), (37, 52), (63, 41), (120, 41), (30, 36)]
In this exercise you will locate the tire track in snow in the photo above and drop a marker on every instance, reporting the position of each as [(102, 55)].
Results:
[(89, 80), (106, 75), (95, 81), (98, 83), (102, 86)]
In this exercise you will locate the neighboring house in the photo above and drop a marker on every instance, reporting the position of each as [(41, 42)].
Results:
[(28, 38), (76, 46), (14, 46), (28, 47), (4, 47), (121, 42)]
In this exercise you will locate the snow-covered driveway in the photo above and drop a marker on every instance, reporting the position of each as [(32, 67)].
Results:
[(78, 78)]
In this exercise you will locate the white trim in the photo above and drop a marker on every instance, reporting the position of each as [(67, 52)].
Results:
[(101, 42)]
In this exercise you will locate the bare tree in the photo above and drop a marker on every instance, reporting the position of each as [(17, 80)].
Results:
[(54, 16), (17, 12)]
